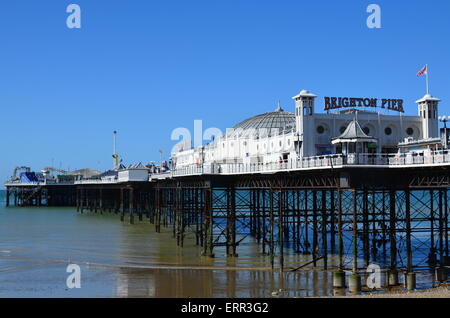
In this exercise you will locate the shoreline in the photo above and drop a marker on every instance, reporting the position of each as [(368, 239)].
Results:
[(441, 291)]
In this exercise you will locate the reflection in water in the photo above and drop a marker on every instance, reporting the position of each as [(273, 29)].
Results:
[(122, 260), (156, 267), (196, 283)]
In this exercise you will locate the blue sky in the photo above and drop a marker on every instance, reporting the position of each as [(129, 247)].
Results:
[(147, 67)]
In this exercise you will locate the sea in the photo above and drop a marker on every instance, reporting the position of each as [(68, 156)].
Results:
[(41, 249)]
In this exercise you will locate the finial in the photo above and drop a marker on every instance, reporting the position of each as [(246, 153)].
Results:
[(279, 109)]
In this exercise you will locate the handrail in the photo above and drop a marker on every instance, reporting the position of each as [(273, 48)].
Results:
[(435, 158), (326, 161)]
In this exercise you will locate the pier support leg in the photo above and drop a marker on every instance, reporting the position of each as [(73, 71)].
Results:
[(197, 216), (366, 242), (354, 280), (432, 258), (306, 213), (315, 232), (182, 212), (264, 225), (339, 275), (39, 198), (281, 195), (332, 222), (131, 205), (441, 229), (101, 208), (78, 199), (410, 278), (122, 205), (140, 205), (393, 273), (354, 283), (447, 259), (82, 199), (7, 197), (158, 211), (324, 230), (231, 223), (272, 225), (208, 247)]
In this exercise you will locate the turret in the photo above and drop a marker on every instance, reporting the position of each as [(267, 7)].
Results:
[(304, 111), (428, 111)]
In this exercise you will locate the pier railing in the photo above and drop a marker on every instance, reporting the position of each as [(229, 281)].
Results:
[(319, 162), (436, 158)]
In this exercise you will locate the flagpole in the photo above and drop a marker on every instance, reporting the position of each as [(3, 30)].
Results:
[(428, 87)]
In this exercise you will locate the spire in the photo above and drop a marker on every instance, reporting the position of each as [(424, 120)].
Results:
[(279, 109)]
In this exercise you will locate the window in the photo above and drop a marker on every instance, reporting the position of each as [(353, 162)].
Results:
[(320, 130), (366, 130), (388, 131), (410, 131), (343, 128)]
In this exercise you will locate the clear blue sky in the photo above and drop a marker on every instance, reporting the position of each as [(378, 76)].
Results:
[(147, 67)]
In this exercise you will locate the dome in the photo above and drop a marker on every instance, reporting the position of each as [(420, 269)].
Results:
[(273, 123)]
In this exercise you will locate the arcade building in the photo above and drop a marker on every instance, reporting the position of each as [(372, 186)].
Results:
[(348, 126)]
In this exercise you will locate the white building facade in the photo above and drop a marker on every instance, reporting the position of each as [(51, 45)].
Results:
[(282, 136)]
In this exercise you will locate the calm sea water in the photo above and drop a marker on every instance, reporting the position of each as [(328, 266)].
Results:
[(122, 260)]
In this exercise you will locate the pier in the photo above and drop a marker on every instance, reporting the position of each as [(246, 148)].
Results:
[(378, 209)]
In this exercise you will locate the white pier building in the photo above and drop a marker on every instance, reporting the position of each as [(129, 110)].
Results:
[(349, 127)]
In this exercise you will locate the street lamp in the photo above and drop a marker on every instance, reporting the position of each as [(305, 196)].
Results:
[(445, 119), (161, 157)]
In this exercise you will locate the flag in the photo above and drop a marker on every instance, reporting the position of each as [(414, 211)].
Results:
[(424, 70)]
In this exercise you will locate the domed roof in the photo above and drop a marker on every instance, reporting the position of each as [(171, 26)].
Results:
[(273, 123)]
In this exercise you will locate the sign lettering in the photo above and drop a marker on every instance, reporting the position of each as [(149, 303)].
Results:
[(348, 102)]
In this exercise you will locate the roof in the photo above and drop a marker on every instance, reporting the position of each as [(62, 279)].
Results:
[(109, 173), (85, 173), (354, 133), (305, 93), (138, 166), (427, 98), (272, 123), (422, 142)]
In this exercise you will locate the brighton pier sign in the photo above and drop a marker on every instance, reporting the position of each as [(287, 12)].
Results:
[(347, 102)]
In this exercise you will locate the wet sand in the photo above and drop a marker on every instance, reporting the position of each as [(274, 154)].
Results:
[(437, 292)]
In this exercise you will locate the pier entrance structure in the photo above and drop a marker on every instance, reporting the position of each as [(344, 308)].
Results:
[(343, 210)]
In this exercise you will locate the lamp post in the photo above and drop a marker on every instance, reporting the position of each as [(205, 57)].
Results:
[(445, 119), (160, 157)]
